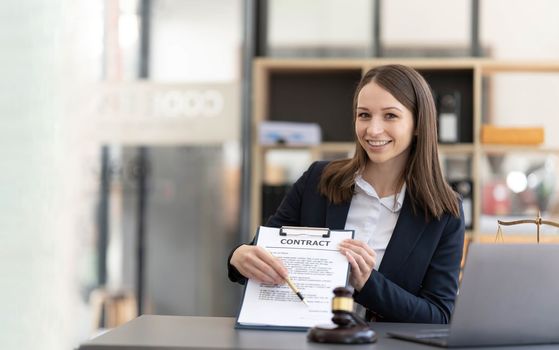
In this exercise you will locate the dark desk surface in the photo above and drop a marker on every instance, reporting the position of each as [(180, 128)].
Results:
[(180, 332)]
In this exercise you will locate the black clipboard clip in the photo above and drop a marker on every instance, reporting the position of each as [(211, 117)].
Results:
[(307, 231)]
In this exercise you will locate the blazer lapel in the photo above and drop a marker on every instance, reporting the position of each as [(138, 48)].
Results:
[(407, 232), (336, 215)]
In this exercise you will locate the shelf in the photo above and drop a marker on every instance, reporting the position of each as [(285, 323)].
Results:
[(325, 146), (280, 64), (321, 91), (487, 66), (491, 148), (290, 64), (324, 97), (495, 66), (458, 148), (444, 149)]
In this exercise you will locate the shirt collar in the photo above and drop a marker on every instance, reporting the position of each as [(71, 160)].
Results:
[(388, 202)]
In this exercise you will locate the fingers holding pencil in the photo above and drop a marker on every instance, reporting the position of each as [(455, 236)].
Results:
[(289, 281), (256, 263)]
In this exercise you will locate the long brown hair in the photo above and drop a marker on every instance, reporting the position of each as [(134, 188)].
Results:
[(422, 174)]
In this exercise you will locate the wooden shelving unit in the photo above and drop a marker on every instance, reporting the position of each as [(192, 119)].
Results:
[(326, 87)]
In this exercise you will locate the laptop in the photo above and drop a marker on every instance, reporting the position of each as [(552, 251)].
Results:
[(509, 295)]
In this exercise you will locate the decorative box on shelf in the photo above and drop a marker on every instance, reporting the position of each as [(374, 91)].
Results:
[(491, 134)]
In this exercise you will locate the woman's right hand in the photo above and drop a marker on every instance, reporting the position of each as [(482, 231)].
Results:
[(256, 263)]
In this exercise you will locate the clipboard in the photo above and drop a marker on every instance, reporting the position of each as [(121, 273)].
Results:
[(269, 307), (304, 231)]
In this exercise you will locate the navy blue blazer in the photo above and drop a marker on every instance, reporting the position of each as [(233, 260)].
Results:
[(417, 280)]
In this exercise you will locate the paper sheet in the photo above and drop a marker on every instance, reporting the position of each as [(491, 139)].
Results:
[(316, 267)]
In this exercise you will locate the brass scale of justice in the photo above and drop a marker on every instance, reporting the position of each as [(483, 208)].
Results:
[(350, 329), (538, 222)]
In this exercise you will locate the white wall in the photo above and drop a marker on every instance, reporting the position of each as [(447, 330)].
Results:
[(509, 29), (318, 22), (521, 29), (516, 29), (427, 22), (196, 41), (43, 231)]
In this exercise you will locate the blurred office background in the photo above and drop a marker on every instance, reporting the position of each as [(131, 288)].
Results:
[(122, 148)]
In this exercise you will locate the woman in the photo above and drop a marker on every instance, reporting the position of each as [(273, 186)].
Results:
[(409, 227)]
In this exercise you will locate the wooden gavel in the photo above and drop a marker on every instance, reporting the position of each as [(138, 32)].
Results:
[(350, 328)]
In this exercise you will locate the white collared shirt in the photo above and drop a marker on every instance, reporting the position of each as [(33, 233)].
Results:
[(373, 218)]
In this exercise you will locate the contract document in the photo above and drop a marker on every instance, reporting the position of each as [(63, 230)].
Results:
[(316, 267)]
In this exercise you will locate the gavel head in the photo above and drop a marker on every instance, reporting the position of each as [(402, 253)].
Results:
[(342, 307)]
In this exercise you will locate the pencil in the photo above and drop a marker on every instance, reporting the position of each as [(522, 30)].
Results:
[(295, 290), (291, 284)]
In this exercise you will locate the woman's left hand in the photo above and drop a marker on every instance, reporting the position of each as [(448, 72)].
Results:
[(362, 259)]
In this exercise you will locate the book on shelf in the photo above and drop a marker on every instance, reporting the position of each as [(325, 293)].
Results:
[(491, 134)]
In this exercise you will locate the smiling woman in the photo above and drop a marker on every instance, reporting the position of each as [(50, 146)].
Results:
[(393, 195), (394, 103), (384, 128)]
